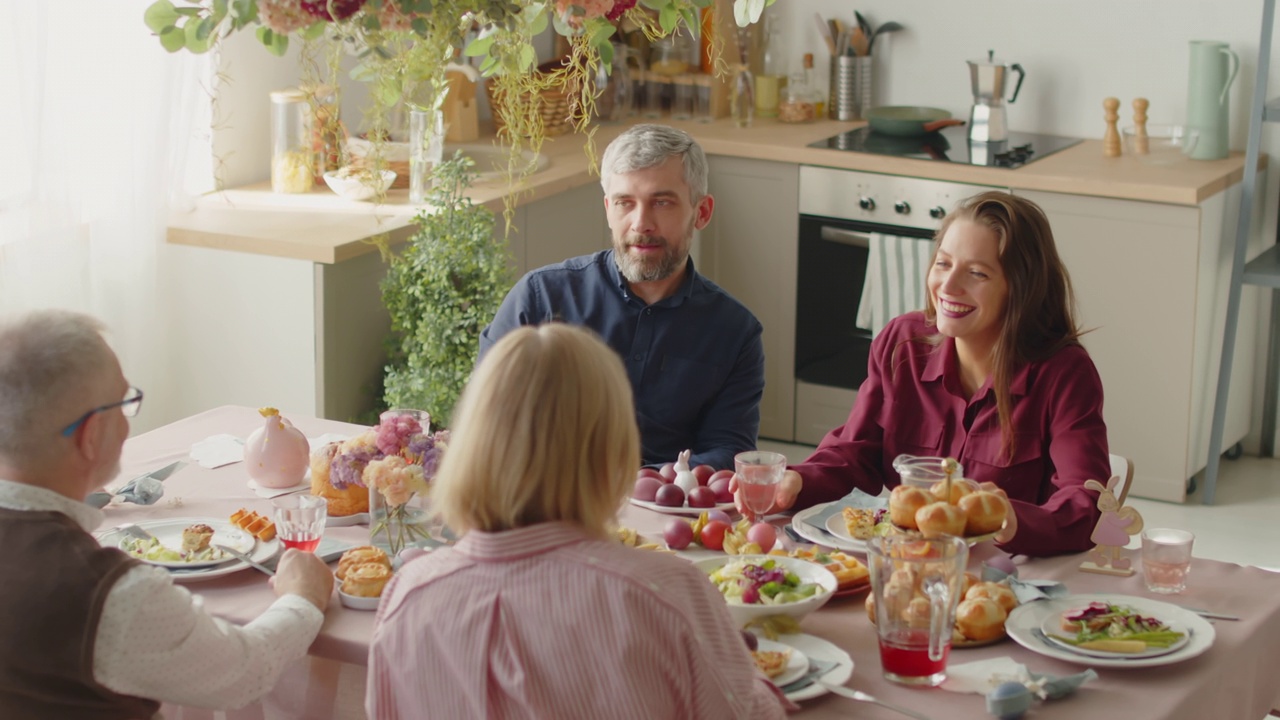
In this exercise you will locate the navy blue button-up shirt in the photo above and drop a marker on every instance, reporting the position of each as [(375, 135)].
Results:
[(695, 359)]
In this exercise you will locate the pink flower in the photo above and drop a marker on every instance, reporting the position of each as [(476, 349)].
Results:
[(395, 479), (620, 7), (574, 12), (342, 9), (283, 16)]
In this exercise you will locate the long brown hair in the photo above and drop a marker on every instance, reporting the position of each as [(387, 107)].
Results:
[(1039, 317)]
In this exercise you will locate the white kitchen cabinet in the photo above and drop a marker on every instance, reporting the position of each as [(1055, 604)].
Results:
[(1150, 282), (562, 226), (750, 249)]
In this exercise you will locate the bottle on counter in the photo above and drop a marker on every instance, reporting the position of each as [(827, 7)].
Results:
[(327, 131), (682, 103), (769, 80), (819, 97), (292, 154), (702, 98), (742, 102)]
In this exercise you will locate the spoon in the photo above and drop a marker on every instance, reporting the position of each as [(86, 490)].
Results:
[(888, 27)]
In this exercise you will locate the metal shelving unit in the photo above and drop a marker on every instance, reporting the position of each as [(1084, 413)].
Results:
[(1263, 270)]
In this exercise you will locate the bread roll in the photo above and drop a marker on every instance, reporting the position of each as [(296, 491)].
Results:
[(904, 501), (871, 608), (959, 488), (366, 580), (970, 580), (918, 612), (998, 592), (983, 511), (980, 619), (940, 518), (360, 556)]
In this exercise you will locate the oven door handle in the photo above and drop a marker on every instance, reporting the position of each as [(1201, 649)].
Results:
[(845, 237)]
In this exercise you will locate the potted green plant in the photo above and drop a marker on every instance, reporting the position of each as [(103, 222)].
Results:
[(441, 290)]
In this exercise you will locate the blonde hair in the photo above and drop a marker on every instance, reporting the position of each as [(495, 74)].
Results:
[(545, 431)]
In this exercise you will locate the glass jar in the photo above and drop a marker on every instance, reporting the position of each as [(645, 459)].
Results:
[(426, 150), (702, 98), (819, 97), (654, 87), (797, 104), (682, 103), (291, 150), (668, 57)]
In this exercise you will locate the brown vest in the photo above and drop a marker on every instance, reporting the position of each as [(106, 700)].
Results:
[(54, 579)]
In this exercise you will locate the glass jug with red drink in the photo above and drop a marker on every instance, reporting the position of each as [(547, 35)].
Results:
[(916, 584)]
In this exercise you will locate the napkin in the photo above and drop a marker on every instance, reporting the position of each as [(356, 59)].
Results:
[(1026, 590), (143, 491), (983, 676), (218, 450)]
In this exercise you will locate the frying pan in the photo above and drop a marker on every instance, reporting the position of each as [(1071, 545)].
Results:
[(908, 120)]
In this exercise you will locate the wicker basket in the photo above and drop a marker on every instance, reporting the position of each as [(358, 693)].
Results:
[(395, 157), (553, 105)]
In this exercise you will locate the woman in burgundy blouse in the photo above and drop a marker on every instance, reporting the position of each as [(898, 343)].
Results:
[(991, 373)]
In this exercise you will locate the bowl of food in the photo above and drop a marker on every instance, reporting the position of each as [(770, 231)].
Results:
[(356, 183), (362, 574), (758, 586), (1165, 144)]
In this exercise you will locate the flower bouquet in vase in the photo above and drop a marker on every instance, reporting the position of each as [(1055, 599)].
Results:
[(399, 479)]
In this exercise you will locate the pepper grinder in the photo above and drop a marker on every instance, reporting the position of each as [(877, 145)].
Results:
[(1141, 144), (1111, 140)]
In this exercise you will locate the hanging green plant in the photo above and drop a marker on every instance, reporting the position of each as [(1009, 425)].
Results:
[(405, 45)]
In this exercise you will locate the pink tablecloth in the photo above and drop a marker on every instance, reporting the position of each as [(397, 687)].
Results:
[(1235, 679)]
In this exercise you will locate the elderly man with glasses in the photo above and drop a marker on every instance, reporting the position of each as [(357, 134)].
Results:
[(88, 631)]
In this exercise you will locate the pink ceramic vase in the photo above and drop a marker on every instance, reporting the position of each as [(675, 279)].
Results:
[(276, 454)]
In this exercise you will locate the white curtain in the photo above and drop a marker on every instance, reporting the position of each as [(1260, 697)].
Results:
[(101, 131)]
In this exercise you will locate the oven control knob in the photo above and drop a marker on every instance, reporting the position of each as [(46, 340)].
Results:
[(902, 207), (937, 213), (866, 203)]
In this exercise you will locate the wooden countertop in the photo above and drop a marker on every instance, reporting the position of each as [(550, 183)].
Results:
[(322, 227)]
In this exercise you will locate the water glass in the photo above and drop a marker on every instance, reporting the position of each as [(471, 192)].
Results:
[(759, 473), (1166, 559), (300, 520)]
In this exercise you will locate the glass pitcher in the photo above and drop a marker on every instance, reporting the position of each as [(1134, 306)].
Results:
[(915, 585), (923, 472)]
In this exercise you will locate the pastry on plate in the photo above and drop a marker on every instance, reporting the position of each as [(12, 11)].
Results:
[(360, 556), (860, 522), (980, 619), (196, 538), (366, 580), (252, 522), (771, 662)]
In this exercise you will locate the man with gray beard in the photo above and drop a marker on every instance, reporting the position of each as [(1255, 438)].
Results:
[(693, 353)]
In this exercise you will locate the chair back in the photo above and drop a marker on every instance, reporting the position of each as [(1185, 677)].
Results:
[(1122, 467)]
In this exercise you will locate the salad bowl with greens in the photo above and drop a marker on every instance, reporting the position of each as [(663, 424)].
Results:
[(759, 586)]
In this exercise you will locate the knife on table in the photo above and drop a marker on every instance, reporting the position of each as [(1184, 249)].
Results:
[(101, 499), (246, 559)]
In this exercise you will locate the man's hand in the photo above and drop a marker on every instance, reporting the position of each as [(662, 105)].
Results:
[(784, 496), (1010, 519), (306, 575)]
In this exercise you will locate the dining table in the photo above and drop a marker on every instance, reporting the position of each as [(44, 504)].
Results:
[(1236, 678)]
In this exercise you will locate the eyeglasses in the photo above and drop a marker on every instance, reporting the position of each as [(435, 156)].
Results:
[(130, 406)]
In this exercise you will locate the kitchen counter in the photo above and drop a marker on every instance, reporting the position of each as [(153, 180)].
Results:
[(323, 228)]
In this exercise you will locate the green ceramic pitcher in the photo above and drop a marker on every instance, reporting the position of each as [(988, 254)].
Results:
[(1213, 69)]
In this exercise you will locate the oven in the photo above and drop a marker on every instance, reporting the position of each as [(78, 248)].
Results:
[(839, 212)]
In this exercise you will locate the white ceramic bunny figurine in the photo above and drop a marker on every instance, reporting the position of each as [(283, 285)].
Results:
[(685, 479), (1114, 527)]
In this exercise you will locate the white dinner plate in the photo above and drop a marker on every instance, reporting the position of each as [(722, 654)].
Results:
[(683, 509), (346, 520), (169, 533), (818, 649), (1052, 629), (1025, 625), (837, 527), (261, 552), (797, 664), (802, 523)]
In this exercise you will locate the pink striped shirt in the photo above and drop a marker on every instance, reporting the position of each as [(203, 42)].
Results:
[(546, 622)]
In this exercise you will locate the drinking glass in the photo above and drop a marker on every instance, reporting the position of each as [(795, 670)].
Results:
[(300, 520), (759, 473), (1166, 559)]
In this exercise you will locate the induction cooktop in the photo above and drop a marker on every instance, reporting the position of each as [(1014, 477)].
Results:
[(951, 145)]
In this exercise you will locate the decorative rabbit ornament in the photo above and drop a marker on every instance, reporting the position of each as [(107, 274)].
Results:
[(1112, 533), (685, 478)]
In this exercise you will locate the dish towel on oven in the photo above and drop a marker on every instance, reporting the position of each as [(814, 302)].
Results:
[(895, 284)]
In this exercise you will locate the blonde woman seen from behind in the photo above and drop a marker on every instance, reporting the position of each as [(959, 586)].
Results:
[(537, 612)]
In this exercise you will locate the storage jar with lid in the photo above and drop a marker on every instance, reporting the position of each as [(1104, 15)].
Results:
[(798, 103), (292, 155)]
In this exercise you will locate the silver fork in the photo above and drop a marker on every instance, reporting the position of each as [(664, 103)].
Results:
[(132, 530), (852, 694)]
